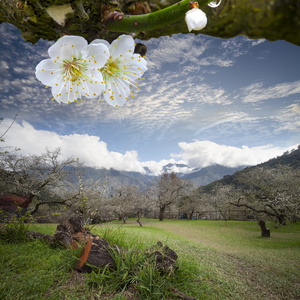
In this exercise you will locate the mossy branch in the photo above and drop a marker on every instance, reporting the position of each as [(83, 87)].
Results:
[(119, 22)]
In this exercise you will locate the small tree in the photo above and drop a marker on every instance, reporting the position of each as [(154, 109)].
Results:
[(122, 201), (169, 189), (30, 176), (190, 202), (142, 204), (220, 200)]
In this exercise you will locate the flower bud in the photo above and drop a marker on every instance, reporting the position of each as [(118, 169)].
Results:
[(195, 19)]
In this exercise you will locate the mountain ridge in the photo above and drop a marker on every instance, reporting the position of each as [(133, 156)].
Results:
[(115, 178), (206, 176), (291, 159)]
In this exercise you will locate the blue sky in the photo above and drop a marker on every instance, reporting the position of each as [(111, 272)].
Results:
[(204, 100)]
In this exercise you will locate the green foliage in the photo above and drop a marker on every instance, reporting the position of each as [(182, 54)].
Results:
[(116, 236), (14, 228), (28, 270), (135, 271), (215, 262)]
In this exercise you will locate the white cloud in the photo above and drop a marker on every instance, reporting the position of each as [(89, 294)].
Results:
[(216, 61), (256, 92), (289, 118), (94, 153), (89, 149), (175, 49), (157, 168), (201, 154), (257, 42)]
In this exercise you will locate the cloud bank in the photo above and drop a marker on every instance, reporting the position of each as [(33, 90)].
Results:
[(200, 154), (89, 149), (95, 153)]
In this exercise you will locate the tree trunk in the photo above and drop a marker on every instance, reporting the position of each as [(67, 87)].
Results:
[(138, 220), (161, 213), (265, 232), (191, 214)]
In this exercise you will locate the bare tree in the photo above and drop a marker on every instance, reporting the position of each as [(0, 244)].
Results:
[(142, 204), (220, 198), (30, 176), (123, 201), (2, 139), (275, 192), (169, 189), (190, 202)]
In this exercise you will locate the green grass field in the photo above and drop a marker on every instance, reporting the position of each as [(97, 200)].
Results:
[(217, 260)]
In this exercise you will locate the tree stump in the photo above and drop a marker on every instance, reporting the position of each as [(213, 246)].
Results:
[(96, 251), (265, 232)]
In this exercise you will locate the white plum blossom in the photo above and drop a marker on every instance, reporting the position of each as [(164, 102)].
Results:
[(122, 69), (72, 71), (195, 19)]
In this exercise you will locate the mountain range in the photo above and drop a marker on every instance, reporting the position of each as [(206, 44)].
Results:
[(115, 179), (198, 177)]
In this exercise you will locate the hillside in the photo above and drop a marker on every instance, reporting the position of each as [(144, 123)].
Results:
[(210, 174), (291, 159)]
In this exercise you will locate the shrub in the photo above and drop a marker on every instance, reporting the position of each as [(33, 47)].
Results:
[(15, 227)]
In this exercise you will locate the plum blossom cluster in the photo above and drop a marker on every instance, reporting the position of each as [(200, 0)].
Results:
[(77, 69), (195, 18)]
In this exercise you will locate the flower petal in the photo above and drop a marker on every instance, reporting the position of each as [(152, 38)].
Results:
[(96, 55), (94, 89), (67, 46), (59, 92), (47, 72), (124, 44), (115, 95), (100, 41)]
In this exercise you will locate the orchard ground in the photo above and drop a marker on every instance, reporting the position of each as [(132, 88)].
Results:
[(217, 260)]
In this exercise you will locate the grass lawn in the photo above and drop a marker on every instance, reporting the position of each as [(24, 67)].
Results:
[(217, 260)]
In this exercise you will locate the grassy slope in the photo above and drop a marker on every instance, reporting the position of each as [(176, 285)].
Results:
[(219, 262), (233, 259)]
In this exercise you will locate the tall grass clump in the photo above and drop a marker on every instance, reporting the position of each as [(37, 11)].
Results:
[(14, 228), (135, 270)]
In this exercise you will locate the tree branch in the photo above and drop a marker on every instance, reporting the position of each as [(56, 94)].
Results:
[(53, 202), (119, 22)]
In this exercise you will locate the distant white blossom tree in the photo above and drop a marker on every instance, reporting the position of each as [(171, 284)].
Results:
[(274, 192)]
